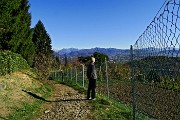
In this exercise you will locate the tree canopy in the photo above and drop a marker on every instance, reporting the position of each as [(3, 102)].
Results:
[(42, 40), (100, 58), (15, 31)]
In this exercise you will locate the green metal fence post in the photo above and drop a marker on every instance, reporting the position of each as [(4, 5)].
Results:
[(132, 80)]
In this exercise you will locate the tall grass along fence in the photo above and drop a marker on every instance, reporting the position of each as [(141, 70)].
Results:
[(156, 65)]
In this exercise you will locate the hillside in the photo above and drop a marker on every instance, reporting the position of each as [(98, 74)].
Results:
[(111, 52), (15, 100)]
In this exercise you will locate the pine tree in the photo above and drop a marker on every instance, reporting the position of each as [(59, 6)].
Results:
[(6, 33), (100, 58), (42, 40), (15, 32), (43, 58)]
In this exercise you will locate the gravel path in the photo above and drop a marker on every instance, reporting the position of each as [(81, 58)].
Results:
[(66, 104)]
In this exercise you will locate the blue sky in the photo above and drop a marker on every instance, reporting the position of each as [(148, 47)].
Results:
[(94, 23)]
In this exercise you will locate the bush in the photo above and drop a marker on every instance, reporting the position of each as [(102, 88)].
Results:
[(11, 62), (42, 66), (140, 78), (153, 77)]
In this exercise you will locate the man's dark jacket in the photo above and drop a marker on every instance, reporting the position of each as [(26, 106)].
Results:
[(91, 71)]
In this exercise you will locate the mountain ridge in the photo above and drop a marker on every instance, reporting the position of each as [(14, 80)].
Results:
[(71, 52)]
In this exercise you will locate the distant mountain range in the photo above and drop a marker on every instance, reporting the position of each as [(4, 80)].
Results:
[(71, 52), (118, 55)]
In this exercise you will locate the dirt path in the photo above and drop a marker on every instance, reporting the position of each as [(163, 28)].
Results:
[(66, 104)]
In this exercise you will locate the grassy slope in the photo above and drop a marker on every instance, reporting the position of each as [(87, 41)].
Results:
[(15, 104)]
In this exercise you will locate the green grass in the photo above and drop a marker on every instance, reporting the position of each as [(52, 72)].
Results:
[(104, 108), (28, 110)]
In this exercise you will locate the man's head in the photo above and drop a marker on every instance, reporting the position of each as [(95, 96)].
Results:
[(93, 59)]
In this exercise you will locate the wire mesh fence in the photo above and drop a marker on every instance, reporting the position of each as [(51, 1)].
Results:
[(75, 74), (150, 80), (157, 65), (114, 80)]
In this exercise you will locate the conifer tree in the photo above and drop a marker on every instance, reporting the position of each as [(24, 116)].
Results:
[(6, 23), (42, 40), (43, 57), (15, 31)]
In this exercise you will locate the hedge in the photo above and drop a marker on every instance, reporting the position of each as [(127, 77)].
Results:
[(11, 62)]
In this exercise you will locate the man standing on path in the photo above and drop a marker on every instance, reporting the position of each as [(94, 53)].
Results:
[(92, 76)]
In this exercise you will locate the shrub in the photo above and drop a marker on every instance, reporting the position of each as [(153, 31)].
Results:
[(11, 62), (153, 77), (42, 66)]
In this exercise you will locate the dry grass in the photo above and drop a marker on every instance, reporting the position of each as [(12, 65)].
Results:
[(13, 96)]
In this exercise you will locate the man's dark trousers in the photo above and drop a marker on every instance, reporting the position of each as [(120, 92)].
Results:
[(91, 89)]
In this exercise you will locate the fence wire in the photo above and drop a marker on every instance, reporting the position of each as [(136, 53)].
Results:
[(157, 65), (114, 81), (156, 70)]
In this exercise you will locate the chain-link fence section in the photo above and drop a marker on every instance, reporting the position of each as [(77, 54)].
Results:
[(157, 65), (75, 74), (114, 79), (150, 80)]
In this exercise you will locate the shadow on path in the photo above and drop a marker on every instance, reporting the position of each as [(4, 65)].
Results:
[(35, 96), (1, 118), (59, 100)]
